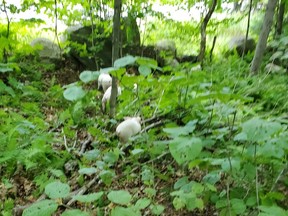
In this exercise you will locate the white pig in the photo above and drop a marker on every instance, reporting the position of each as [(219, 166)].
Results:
[(104, 81), (107, 95), (128, 128)]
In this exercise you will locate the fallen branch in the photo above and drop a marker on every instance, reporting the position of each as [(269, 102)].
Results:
[(84, 145), (151, 126), (69, 200)]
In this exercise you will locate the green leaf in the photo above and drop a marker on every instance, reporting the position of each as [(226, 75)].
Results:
[(43, 208), (121, 211), (179, 203), (144, 70), (74, 93), (124, 61), (181, 182), (57, 190), (148, 62), (88, 171), (151, 192), (74, 212), (137, 151), (92, 154), (157, 209), (121, 197), (177, 131), (238, 206), (88, 76), (106, 176), (89, 197), (272, 210), (184, 149), (4, 70), (142, 203), (118, 72), (259, 130)]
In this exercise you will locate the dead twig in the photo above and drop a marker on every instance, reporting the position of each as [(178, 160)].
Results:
[(151, 126), (84, 145)]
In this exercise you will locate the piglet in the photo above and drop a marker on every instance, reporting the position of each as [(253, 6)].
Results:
[(107, 95), (104, 81), (128, 128)]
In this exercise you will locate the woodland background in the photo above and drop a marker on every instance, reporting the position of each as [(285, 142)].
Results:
[(214, 126)]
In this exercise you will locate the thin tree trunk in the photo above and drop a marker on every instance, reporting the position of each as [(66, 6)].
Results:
[(115, 53), (262, 42), (203, 32), (247, 29), (280, 18)]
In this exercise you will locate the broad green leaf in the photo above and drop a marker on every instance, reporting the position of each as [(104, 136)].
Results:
[(181, 182), (151, 192), (92, 154), (177, 131), (157, 209), (121, 197), (121, 211), (142, 203), (259, 130), (110, 157), (88, 171), (4, 70), (212, 177), (148, 62), (107, 176), (88, 76), (57, 190), (238, 206), (185, 149), (74, 212), (43, 208), (251, 201), (137, 151), (272, 210), (108, 69), (285, 56), (144, 70), (89, 197), (276, 55), (124, 61), (179, 203), (74, 93), (118, 72)]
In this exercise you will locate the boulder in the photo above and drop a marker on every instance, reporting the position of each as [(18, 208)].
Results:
[(46, 50), (238, 43), (100, 55), (165, 52)]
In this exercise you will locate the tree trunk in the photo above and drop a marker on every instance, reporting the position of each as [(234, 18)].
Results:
[(247, 29), (280, 18), (115, 53), (262, 42), (203, 32)]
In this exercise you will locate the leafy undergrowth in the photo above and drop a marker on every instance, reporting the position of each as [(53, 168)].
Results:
[(212, 141)]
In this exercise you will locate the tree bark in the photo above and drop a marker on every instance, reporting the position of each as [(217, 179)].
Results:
[(262, 42), (115, 53), (280, 18), (247, 29), (203, 32)]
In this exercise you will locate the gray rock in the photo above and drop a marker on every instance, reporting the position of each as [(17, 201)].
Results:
[(238, 43), (46, 49)]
